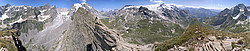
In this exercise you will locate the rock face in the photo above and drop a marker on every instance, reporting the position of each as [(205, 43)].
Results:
[(86, 33), (87, 7), (211, 45)]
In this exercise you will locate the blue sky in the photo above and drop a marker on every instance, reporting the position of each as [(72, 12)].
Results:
[(117, 4)]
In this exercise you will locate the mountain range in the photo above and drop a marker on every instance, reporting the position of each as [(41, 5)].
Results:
[(159, 27)]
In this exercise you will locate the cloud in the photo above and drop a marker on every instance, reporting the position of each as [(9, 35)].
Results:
[(156, 1), (83, 1)]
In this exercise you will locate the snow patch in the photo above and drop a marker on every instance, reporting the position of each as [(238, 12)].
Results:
[(242, 12), (4, 16), (248, 17), (131, 7), (77, 5), (240, 22), (153, 7), (173, 30), (18, 21), (43, 17), (25, 8), (43, 10)]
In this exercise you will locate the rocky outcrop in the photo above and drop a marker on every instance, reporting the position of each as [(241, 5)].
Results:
[(7, 42), (197, 38), (86, 33), (86, 6)]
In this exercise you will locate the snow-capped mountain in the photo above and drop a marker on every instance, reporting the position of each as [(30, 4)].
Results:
[(161, 11), (16, 14), (87, 7), (47, 28), (39, 26), (58, 29), (161, 20), (231, 19)]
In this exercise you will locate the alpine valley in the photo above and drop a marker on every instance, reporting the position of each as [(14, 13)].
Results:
[(155, 27)]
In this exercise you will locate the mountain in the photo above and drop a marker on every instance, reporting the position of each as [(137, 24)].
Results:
[(149, 23), (131, 28), (197, 38), (3, 9), (201, 12), (231, 20), (87, 7), (108, 12), (46, 28)]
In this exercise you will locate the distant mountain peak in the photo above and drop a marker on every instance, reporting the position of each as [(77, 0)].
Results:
[(7, 5), (47, 5), (241, 5), (226, 9), (128, 5), (86, 7)]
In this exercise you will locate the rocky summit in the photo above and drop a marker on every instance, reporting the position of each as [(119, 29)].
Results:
[(152, 27)]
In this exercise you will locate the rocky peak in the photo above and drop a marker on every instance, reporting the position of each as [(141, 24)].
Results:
[(47, 5), (143, 9), (128, 5), (86, 6), (168, 6), (240, 6), (54, 6), (7, 5), (225, 11), (89, 32)]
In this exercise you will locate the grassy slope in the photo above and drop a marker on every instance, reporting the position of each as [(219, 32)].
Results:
[(196, 22), (7, 43), (191, 33), (146, 31)]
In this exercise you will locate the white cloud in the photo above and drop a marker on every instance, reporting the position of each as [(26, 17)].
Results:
[(156, 1), (83, 1)]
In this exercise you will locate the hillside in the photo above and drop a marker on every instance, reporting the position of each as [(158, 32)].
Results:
[(154, 27), (149, 23), (197, 38)]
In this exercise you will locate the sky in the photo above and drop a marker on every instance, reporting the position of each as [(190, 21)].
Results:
[(117, 4)]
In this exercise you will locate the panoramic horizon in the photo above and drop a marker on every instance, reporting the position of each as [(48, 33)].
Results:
[(118, 4), (125, 25)]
